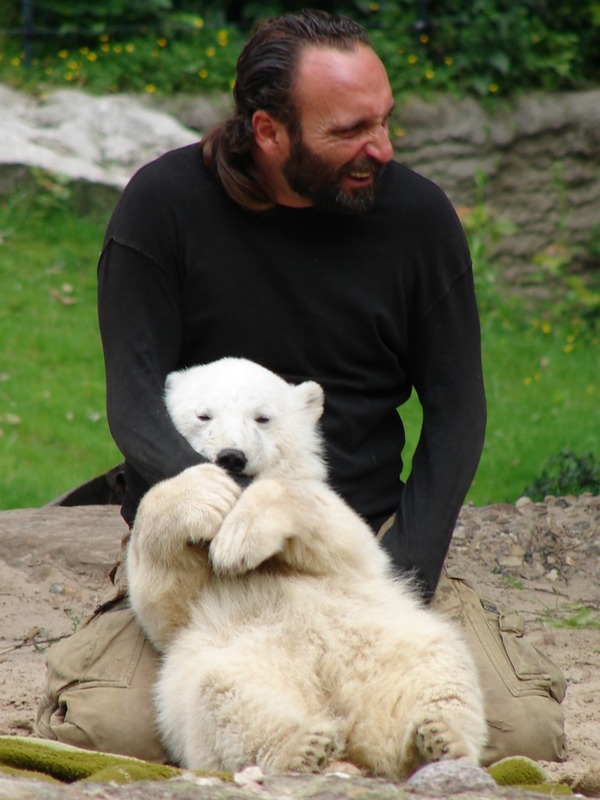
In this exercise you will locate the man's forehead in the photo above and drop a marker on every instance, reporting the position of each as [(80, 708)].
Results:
[(341, 67), (348, 82)]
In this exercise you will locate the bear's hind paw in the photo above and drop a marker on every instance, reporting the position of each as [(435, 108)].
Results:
[(436, 740), (310, 751)]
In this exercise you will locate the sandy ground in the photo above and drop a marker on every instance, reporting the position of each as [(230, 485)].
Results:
[(541, 560)]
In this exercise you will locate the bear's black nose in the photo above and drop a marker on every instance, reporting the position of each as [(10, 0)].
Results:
[(232, 460)]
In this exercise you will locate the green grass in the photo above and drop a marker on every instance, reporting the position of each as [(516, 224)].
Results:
[(543, 392), (53, 430), (541, 378)]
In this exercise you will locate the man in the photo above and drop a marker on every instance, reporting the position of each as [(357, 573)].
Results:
[(290, 237)]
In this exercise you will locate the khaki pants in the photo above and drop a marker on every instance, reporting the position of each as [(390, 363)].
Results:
[(99, 686)]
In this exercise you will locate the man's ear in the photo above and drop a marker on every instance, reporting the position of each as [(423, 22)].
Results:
[(270, 134)]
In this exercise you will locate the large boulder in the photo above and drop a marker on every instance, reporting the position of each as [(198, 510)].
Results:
[(86, 139)]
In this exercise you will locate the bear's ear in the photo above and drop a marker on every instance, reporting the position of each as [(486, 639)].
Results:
[(312, 397), (172, 381)]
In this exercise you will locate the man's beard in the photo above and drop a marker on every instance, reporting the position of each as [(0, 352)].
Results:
[(315, 179)]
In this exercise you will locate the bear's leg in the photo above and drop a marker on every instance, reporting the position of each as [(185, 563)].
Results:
[(226, 708), (423, 704)]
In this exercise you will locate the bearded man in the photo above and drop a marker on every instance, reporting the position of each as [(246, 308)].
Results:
[(290, 236)]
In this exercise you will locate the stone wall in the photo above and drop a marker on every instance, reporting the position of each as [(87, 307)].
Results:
[(538, 159)]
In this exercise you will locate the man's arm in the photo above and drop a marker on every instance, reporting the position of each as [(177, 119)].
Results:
[(141, 328), (448, 379)]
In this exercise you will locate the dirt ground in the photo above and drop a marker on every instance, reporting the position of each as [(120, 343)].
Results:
[(541, 560)]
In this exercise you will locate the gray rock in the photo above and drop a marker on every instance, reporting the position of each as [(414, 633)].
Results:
[(449, 777), (102, 140)]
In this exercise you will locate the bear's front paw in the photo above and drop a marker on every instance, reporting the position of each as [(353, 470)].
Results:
[(205, 496), (247, 538)]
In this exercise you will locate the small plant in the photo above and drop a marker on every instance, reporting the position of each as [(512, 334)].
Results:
[(580, 616), (566, 473)]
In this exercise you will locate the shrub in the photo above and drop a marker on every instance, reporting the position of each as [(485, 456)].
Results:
[(483, 47), (566, 473)]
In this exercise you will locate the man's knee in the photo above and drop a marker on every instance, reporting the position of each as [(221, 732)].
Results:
[(99, 689), (522, 688)]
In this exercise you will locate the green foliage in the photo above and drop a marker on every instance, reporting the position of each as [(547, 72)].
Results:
[(577, 616), (566, 473), (484, 47), (84, 17)]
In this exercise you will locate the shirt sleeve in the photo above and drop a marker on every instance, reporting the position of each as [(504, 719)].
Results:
[(449, 382), (141, 329)]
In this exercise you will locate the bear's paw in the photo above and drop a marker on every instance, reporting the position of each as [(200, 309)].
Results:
[(309, 750), (437, 740), (205, 496)]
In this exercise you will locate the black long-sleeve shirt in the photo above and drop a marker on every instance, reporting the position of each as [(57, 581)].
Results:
[(369, 305)]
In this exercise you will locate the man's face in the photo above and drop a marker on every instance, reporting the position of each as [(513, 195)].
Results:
[(343, 101), (323, 182)]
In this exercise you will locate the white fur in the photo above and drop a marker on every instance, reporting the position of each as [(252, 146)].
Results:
[(286, 640)]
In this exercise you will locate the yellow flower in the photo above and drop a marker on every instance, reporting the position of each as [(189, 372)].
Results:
[(527, 381), (105, 48), (84, 51), (210, 52), (399, 132), (423, 38), (412, 59), (104, 38), (63, 53), (92, 57), (117, 48), (448, 60), (73, 65), (567, 348), (130, 47), (161, 42), (203, 74), (16, 62), (199, 22), (546, 327), (373, 6), (429, 74), (150, 88), (48, 70), (223, 38), (493, 88)]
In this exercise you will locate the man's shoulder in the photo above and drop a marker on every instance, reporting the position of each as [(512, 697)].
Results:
[(403, 180), (176, 171)]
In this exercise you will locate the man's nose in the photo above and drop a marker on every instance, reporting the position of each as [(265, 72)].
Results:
[(380, 147)]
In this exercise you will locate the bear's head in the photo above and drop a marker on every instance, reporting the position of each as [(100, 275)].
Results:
[(248, 420)]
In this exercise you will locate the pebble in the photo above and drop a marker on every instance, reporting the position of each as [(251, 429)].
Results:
[(449, 777)]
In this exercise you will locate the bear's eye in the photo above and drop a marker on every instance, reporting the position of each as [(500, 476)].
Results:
[(262, 419), (204, 417)]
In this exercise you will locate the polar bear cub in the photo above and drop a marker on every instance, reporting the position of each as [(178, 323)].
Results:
[(288, 642)]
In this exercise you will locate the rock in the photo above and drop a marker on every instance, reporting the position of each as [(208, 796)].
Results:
[(99, 140), (449, 777)]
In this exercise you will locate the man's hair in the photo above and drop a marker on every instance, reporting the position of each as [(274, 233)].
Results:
[(265, 75)]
